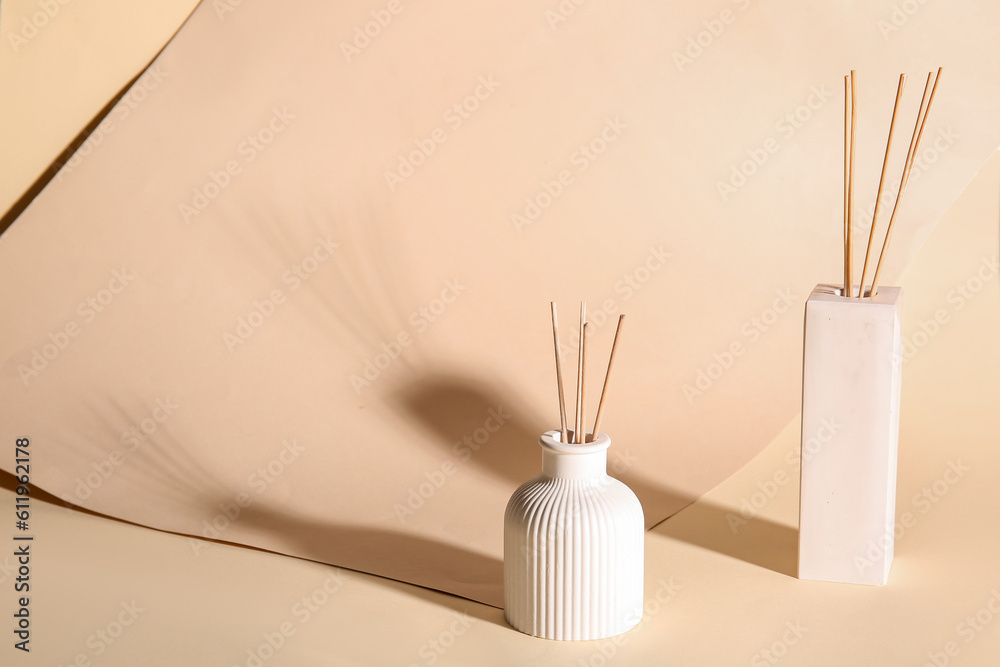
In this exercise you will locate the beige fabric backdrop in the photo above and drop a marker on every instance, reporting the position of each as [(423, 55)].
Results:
[(60, 64), (299, 300)]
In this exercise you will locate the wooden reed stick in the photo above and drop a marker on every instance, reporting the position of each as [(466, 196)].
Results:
[(604, 391), (850, 194), (881, 182), (918, 132), (847, 177), (578, 427), (583, 382), (559, 376)]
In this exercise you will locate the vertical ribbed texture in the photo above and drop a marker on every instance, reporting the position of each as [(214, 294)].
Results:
[(573, 557)]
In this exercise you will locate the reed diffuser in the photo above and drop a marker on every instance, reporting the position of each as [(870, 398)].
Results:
[(573, 536), (851, 379)]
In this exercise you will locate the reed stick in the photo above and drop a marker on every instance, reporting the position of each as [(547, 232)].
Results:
[(583, 382), (918, 131), (607, 376), (847, 178), (881, 182), (850, 194), (578, 426), (559, 376)]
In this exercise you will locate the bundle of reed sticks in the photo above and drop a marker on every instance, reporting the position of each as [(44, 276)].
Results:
[(579, 427), (850, 127)]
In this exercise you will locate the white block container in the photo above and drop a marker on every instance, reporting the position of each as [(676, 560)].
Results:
[(851, 375), (573, 547)]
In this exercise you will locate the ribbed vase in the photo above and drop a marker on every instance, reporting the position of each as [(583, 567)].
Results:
[(573, 547)]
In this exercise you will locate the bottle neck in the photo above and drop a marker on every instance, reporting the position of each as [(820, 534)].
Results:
[(590, 465)]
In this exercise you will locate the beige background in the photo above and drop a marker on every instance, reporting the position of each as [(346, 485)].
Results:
[(728, 597), (162, 339), (58, 76)]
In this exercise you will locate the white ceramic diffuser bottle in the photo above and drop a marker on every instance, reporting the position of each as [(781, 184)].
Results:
[(573, 547), (851, 380)]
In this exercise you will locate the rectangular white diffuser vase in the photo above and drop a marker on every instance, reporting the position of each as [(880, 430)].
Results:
[(851, 373)]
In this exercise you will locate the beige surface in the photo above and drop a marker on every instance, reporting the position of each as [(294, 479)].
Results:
[(728, 597), (60, 63), (173, 411)]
